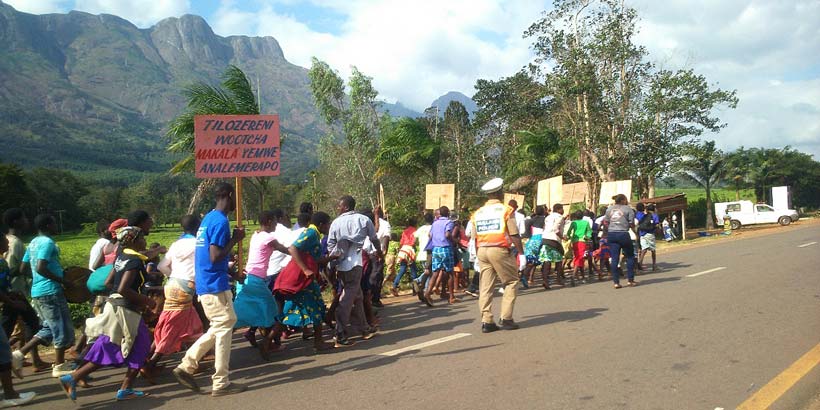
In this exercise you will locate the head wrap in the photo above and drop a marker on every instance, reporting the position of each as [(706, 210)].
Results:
[(127, 235), (119, 223)]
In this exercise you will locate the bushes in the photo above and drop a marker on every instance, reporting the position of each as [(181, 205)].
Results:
[(79, 312)]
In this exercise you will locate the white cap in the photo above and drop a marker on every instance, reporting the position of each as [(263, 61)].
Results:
[(492, 185)]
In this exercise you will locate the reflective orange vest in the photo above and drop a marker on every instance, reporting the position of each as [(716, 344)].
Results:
[(490, 225)]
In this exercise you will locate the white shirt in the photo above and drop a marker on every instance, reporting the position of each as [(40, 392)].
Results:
[(180, 259), (471, 249), (520, 222), (553, 224), (384, 229), (278, 260), (96, 252), (423, 236)]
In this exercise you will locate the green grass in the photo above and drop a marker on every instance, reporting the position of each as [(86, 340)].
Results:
[(75, 247), (718, 194)]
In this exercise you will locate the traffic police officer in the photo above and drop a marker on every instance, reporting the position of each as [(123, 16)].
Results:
[(495, 233)]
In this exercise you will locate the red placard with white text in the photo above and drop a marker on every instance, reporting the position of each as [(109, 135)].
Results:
[(229, 146)]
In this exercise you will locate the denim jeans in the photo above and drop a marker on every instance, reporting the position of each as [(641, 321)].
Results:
[(402, 269), (620, 241), (57, 326)]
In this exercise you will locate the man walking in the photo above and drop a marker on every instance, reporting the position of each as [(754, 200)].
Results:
[(213, 250), (495, 232), (346, 238)]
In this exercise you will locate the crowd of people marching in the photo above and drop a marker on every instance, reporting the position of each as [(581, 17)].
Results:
[(151, 302)]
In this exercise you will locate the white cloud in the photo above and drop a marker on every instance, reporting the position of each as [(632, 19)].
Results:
[(415, 51), (141, 13), (765, 50), (40, 6)]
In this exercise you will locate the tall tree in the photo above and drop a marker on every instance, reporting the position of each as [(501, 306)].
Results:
[(350, 164), (234, 97), (407, 160), (460, 157), (15, 192), (704, 165), (677, 108), (507, 108), (587, 58)]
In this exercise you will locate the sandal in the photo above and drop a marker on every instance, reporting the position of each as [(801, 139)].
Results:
[(632, 284), (251, 337), (69, 386), (127, 394), (618, 286)]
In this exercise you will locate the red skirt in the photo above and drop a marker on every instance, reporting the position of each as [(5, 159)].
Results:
[(291, 279), (175, 327), (579, 249)]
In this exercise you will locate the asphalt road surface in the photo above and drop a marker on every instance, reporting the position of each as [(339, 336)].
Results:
[(683, 339)]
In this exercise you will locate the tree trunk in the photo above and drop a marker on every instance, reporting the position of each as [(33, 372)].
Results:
[(201, 190), (651, 186), (710, 219)]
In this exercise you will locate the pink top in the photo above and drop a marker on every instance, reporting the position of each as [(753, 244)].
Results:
[(259, 254)]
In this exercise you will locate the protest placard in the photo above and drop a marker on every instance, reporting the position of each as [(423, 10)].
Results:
[(236, 146), (550, 191), (612, 188), (438, 195)]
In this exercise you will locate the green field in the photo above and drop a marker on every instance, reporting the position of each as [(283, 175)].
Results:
[(74, 248), (718, 194)]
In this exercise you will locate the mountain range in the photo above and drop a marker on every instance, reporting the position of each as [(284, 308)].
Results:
[(92, 93)]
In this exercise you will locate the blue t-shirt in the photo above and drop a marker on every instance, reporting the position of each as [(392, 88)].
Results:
[(211, 278), (639, 216), (43, 247)]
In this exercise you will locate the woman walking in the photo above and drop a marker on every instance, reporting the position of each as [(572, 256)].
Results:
[(620, 220), (122, 337)]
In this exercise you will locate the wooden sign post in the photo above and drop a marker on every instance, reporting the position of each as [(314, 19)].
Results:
[(236, 146), (438, 195), (550, 191), (612, 188)]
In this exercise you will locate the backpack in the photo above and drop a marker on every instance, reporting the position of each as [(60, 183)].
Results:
[(647, 223)]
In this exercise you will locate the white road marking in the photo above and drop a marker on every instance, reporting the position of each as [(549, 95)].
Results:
[(807, 244), (705, 272), (373, 358)]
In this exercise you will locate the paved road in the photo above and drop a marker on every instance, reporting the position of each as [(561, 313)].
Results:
[(674, 342)]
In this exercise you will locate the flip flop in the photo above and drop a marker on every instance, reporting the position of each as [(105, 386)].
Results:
[(69, 386), (128, 394)]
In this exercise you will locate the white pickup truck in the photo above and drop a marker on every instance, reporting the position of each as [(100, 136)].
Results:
[(747, 213)]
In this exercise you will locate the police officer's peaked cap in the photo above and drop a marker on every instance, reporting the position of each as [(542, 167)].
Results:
[(492, 185)]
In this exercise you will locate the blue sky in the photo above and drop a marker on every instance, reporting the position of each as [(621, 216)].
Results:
[(416, 51)]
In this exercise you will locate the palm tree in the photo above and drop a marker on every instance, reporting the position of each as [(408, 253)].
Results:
[(234, 97), (706, 166), (537, 156), (407, 149)]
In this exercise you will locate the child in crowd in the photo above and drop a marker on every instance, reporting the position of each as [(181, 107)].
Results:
[(579, 233)]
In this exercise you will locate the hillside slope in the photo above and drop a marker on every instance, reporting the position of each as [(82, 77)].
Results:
[(93, 93)]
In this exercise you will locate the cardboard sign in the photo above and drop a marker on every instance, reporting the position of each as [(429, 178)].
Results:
[(518, 198), (236, 145), (438, 195), (550, 191), (574, 193), (612, 188)]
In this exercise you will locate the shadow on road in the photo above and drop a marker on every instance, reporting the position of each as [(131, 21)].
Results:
[(568, 316), (644, 282)]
